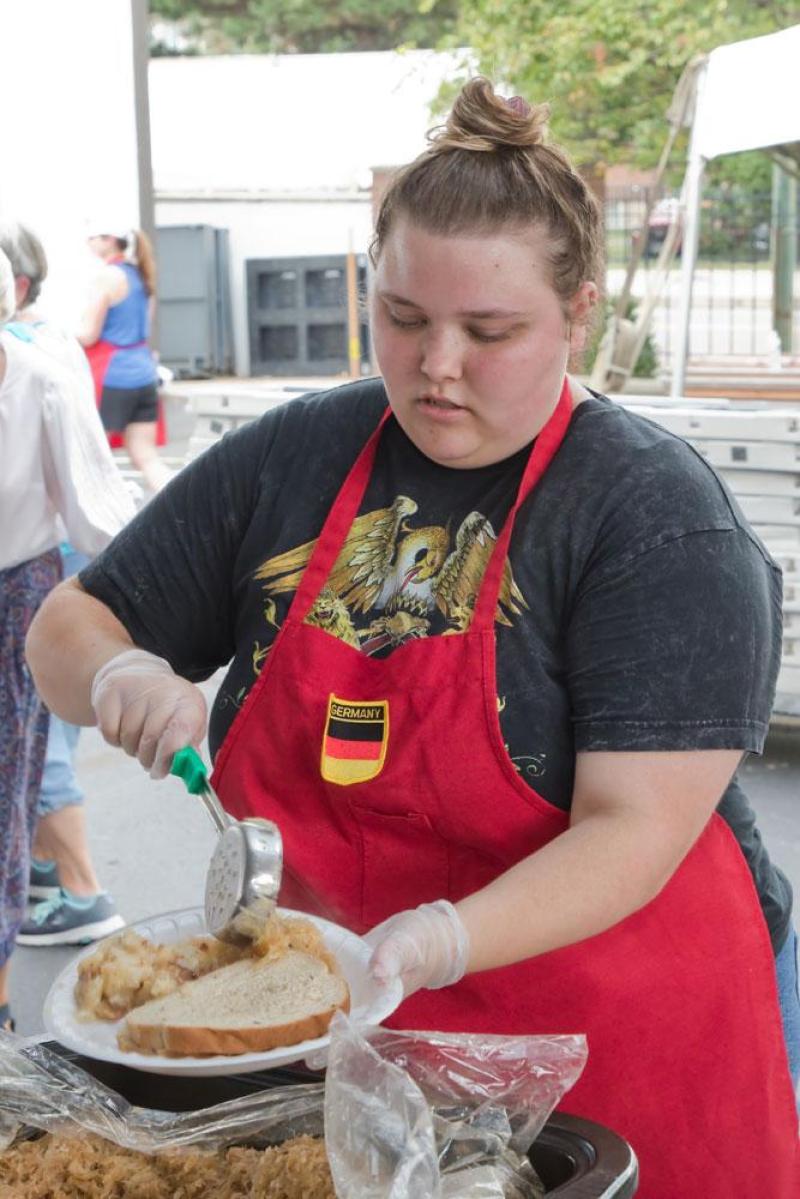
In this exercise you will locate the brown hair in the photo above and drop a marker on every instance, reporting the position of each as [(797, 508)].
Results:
[(142, 255), (490, 167)]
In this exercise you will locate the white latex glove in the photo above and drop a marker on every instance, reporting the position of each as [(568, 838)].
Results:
[(143, 706), (426, 946)]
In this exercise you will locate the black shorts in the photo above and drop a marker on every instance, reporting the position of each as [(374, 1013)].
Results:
[(123, 406)]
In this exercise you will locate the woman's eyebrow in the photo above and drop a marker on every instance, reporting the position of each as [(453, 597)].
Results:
[(395, 299), (482, 314), (487, 314)]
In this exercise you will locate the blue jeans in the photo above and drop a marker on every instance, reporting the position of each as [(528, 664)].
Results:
[(789, 995), (59, 785)]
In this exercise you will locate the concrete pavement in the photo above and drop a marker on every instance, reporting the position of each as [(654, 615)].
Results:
[(151, 843)]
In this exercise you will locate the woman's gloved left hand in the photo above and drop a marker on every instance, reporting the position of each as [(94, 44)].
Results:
[(426, 946)]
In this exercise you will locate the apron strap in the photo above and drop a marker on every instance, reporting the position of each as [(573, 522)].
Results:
[(337, 525), (544, 450), (346, 505)]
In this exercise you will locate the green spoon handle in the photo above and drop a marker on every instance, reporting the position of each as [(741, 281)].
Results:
[(188, 766)]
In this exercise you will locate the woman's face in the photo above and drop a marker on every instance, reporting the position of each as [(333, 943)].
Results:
[(471, 339), (102, 245)]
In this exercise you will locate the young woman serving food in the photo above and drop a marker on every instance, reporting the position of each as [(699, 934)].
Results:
[(496, 649)]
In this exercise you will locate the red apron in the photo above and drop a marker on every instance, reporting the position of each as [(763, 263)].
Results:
[(679, 1001), (100, 355)]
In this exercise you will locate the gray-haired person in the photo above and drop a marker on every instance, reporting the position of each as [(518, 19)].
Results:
[(69, 904)]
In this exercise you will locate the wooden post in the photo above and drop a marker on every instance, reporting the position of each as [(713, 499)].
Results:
[(353, 328), (140, 20)]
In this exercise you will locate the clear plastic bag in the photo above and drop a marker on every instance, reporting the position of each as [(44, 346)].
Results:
[(40, 1089), (406, 1115), (421, 1115)]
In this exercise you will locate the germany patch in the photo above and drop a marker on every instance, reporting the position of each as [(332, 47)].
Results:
[(354, 744)]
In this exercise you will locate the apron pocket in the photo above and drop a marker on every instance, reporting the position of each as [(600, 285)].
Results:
[(404, 862)]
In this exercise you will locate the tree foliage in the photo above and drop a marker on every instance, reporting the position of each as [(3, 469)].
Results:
[(307, 26), (607, 67)]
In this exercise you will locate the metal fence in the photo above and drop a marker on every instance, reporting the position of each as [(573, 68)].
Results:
[(732, 296)]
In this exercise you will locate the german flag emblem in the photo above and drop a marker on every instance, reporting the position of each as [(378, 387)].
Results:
[(354, 745)]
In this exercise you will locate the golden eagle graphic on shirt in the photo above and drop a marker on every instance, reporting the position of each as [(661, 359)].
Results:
[(391, 579)]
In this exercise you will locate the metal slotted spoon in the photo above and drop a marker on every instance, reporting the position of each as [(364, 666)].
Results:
[(244, 874)]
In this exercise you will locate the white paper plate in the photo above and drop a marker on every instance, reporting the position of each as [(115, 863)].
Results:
[(369, 1004)]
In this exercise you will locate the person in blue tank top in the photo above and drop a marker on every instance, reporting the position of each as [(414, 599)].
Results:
[(114, 331)]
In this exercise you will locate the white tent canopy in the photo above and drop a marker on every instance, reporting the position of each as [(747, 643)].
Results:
[(751, 96), (747, 98)]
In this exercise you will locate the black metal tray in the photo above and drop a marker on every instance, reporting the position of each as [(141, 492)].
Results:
[(575, 1158)]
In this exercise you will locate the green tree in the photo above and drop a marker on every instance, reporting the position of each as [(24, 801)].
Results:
[(306, 26), (608, 67)]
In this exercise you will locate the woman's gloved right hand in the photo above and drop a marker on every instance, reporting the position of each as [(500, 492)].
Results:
[(147, 709)]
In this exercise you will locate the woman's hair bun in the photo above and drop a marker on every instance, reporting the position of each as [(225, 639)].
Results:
[(482, 120), (516, 180)]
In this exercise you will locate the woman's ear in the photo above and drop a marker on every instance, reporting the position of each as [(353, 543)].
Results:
[(580, 310), (22, 286)]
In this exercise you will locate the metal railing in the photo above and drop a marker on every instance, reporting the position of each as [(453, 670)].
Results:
[(732, 297)]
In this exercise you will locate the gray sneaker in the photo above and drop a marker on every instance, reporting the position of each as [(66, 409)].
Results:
[(67, 920), (43, 882)]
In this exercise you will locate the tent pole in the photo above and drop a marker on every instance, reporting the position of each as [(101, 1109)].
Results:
[(784, 253), (692, 185), (682, 102), (623, 339)]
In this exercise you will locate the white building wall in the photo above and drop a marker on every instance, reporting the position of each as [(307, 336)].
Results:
[(277, 132), (272, 229)]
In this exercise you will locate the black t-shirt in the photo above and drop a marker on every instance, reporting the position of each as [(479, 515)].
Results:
[(638, 610)]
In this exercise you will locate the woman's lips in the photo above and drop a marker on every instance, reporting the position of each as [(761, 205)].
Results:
[(439, 405)]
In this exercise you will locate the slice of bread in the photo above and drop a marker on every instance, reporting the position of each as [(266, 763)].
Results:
[(129, 970), (250, 1006)]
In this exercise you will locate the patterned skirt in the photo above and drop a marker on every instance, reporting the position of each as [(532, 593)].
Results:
[(23, 735)]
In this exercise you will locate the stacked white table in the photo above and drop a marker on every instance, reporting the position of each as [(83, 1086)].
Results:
[(755, 447)]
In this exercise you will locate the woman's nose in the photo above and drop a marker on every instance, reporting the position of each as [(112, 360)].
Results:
[(441, 355)]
